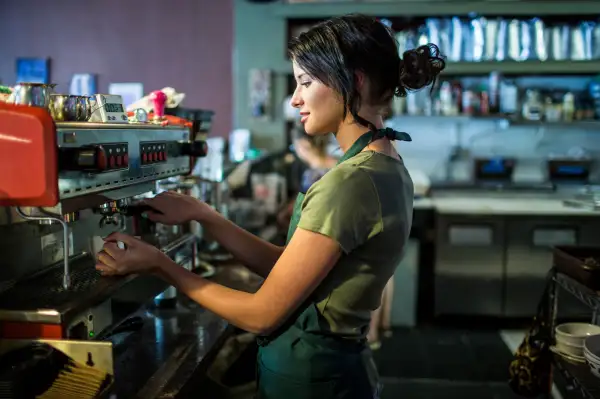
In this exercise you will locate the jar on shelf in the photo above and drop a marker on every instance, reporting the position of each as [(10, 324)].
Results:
[(552, 109), (533, 108), (568, 107)]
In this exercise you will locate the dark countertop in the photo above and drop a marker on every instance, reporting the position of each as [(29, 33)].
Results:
[(174, 345)]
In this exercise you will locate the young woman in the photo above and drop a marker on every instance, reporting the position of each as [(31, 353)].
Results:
[(347, 233)]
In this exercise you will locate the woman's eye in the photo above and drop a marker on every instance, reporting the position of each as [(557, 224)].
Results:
[(305, 84)]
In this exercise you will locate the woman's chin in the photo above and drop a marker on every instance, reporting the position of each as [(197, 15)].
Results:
[(315, 131)]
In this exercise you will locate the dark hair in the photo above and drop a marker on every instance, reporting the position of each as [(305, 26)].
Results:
[(334, 51)]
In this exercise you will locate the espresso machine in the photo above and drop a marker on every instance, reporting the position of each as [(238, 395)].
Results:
[(64, 186)]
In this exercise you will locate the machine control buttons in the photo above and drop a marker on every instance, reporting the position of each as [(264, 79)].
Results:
[(150, 152), (117, 155), (94, 158)]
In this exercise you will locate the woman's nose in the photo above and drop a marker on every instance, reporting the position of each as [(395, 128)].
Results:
[(296, 100)]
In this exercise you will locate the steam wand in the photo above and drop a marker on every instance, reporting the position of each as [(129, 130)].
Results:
[(51, 218)]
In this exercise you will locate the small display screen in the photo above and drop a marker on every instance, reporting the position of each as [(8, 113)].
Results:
[(493, 168), (113, 107), (570, 170)]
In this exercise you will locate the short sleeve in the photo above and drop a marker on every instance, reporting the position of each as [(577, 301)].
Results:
[(344, 206)]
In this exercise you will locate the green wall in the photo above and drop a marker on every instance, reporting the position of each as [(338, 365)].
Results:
[(259, 42)]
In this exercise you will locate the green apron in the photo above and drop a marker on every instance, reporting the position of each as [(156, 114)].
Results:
[(302, 360)]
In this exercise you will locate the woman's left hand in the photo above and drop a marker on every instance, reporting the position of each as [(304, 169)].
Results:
[(135, 257)]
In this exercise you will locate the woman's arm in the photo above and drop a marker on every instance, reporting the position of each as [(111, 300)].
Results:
[(257, 254), (172, 208), (305, 262)]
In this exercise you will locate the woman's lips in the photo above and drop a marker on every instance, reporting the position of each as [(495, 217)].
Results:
[(304, 118)]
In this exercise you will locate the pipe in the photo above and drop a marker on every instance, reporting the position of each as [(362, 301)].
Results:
[(66, 273)]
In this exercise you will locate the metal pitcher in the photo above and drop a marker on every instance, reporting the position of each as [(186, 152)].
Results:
[(32, 94), (69, 108)]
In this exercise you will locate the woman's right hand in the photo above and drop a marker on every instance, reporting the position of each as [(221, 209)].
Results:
[(174, 208)]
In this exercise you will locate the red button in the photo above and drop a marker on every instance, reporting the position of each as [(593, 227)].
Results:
[(119, 160), (144, 158), (154, 156), (160, 156), (125, 159), (100, 160), (111, 161), (164, 155)]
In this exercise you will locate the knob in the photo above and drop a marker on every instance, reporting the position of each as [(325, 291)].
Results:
[(86, 158), (195, 149), (91, 158)]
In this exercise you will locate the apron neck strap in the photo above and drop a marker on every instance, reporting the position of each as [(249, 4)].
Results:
[(363, 141)]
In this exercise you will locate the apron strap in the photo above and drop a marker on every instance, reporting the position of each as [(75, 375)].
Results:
[(370, 136), (391, 134)]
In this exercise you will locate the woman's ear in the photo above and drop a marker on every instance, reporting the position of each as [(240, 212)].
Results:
[(359, 78)]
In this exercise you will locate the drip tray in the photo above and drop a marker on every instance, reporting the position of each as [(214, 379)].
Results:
[(46, 291), (42, 298)]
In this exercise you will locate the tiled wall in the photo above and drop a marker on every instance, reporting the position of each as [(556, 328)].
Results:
[(434, 138)]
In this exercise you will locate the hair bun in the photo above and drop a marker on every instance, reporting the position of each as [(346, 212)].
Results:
[(420, 67)]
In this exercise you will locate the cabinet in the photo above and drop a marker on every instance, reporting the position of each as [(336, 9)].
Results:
[(529, 256), (497, 266), (469, 269)]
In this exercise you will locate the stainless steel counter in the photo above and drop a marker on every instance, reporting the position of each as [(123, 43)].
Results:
[(521, 202)]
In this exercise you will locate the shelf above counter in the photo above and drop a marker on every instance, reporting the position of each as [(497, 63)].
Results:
[(524, 68), (501, 120), (532, 67), (430, 8)]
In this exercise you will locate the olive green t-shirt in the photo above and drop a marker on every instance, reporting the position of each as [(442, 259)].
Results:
[(365, 204)]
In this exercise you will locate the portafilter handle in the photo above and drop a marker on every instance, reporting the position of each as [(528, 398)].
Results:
[(137, 209), (115, 219)]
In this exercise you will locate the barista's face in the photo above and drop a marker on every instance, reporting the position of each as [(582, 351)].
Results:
[(321, 108)]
